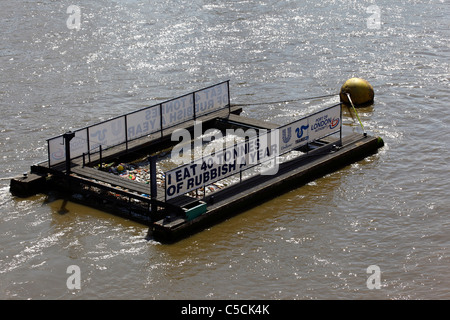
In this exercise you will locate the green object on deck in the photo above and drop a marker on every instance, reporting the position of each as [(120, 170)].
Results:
[(194, 210)]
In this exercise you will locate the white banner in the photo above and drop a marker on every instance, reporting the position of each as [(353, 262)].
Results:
[(144, 122), (57, 149), (107, 134), (316, 126), (178, 110), (294, 135), (219, 165), (141, 123), (211, 99), (324, 123), (256, 150)]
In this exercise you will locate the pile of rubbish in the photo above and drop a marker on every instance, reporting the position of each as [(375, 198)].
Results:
[(140, 172)]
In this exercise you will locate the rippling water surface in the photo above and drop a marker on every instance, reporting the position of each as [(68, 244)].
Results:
[(316, 242)]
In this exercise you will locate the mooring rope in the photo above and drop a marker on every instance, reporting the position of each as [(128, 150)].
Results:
[(354, 109), (283, 101)]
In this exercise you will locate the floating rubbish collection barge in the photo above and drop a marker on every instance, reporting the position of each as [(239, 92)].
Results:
[(187, 163)]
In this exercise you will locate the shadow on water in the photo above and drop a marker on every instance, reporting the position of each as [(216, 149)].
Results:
[(63, 210)]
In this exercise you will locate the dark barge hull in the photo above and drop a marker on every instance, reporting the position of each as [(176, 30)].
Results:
[(253, 191)]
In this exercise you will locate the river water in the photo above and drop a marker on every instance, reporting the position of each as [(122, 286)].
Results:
[(390, 210)]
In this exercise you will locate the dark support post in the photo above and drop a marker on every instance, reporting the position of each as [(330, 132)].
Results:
[(193, 103), (153, 188), (67, 137), (88, 145), (229, 102), (126, 133), (307, 141), (161, 119), (48, 152), (340, 128)]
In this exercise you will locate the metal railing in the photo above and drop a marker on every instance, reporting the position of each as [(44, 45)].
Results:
[(137, 124)]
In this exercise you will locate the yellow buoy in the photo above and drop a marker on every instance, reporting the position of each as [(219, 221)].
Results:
[(360, 91)]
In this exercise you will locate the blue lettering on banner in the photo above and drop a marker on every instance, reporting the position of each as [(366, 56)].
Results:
[(107, 133), (151, 113), (99, 134), (321, 123), (116, 128), (176, 111), (143, 123), (325, 121), (211, 99), (290, 140), (300, 130), (286, 135)]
